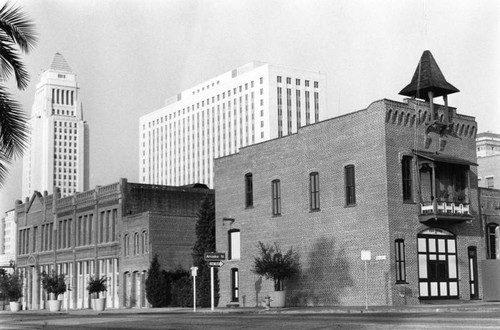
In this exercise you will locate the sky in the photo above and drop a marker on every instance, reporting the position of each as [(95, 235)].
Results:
[(131, 55)]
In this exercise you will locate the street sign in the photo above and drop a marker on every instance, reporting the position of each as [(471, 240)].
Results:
[(215, 263), (215, 256)]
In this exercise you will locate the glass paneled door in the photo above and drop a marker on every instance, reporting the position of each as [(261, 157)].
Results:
[(437, 264)]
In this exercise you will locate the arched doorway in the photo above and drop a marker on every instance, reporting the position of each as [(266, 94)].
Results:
[(437, 264)]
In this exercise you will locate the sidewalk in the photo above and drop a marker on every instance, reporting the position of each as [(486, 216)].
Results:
[(422, 308)]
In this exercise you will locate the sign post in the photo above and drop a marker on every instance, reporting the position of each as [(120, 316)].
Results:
[(194, 271), (212, 288), (366, 255), (214, 260)]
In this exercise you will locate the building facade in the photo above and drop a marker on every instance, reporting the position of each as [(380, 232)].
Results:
[(110, 231), (488, 158), (247, 105), (57, 152), (8, 239), (397, 179)]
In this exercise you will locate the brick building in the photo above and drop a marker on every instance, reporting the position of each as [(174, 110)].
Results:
[(398, 179), (110, 231)]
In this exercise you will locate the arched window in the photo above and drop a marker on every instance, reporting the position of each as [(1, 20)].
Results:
[(350, 185), (136, 243), (407, 175), (126, 247), (314, 191), (145, 242), (492, 239), (248, 190), (399, 245), (276, 196), (234, 244)]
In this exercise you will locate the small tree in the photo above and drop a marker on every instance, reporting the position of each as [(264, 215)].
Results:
[(54, 283), (11, 286), (205, 242), (181, 286), (273, 264), (157, 286), (96, 285)]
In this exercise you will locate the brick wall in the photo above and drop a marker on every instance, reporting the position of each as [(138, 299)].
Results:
[(329, 241)]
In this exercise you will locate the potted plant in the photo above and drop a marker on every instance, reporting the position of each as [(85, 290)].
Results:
[(12, 287), (55, 285), (95, 286), (272, 264), (443, 195)]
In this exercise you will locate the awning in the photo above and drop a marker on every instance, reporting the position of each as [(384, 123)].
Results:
[(441, 158)]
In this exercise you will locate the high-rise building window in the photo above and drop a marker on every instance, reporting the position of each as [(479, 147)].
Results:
[(314, 191), (279, 79), (400, 261), (490, 183), (350, 186), (407, 175), (248, 190), (276, 196)]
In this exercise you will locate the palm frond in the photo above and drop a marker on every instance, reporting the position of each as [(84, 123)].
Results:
[(13, 128), (4, 168), (18, 27), (16, 31), (10, 62)]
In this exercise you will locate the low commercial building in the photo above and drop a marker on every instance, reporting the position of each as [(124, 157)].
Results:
[(398, 179), (110, 231)]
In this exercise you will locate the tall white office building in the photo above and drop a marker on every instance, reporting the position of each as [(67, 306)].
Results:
[(58, 146), (248, 105)]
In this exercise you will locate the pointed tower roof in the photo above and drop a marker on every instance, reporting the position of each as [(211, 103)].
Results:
[(59, 64), (428, 77)]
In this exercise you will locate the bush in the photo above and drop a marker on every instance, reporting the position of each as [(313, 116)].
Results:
[(157, 286), (181, 288), (96, 285), (11, 286), (273, 264), (54, 283)]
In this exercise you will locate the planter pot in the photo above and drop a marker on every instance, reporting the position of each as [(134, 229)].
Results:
[(54, 305), (14, 306), (277, 298), (98, 304)]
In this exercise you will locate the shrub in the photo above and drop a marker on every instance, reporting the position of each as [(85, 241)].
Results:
[(11, 286), (157, 286), (96, 285), (54, 283), (273, 264)]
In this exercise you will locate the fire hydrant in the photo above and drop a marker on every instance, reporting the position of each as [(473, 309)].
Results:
[(267, 302)]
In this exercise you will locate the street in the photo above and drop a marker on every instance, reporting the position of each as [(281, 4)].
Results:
[(206, 321)]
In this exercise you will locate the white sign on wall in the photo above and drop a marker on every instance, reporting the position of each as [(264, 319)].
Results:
[(366, 255)]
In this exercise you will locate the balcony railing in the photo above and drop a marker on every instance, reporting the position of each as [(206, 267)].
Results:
[(444, 210)]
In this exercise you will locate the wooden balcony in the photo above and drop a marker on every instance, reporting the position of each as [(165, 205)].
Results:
[(445, 211)]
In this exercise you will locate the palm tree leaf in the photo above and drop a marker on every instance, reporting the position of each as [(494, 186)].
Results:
[(13, 128), (4, 168), (18, 27), (11, 62)]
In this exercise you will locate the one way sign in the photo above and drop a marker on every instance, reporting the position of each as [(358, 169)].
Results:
[(215, 263)]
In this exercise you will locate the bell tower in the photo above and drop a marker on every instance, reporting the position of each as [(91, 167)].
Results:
[(428, 82)]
